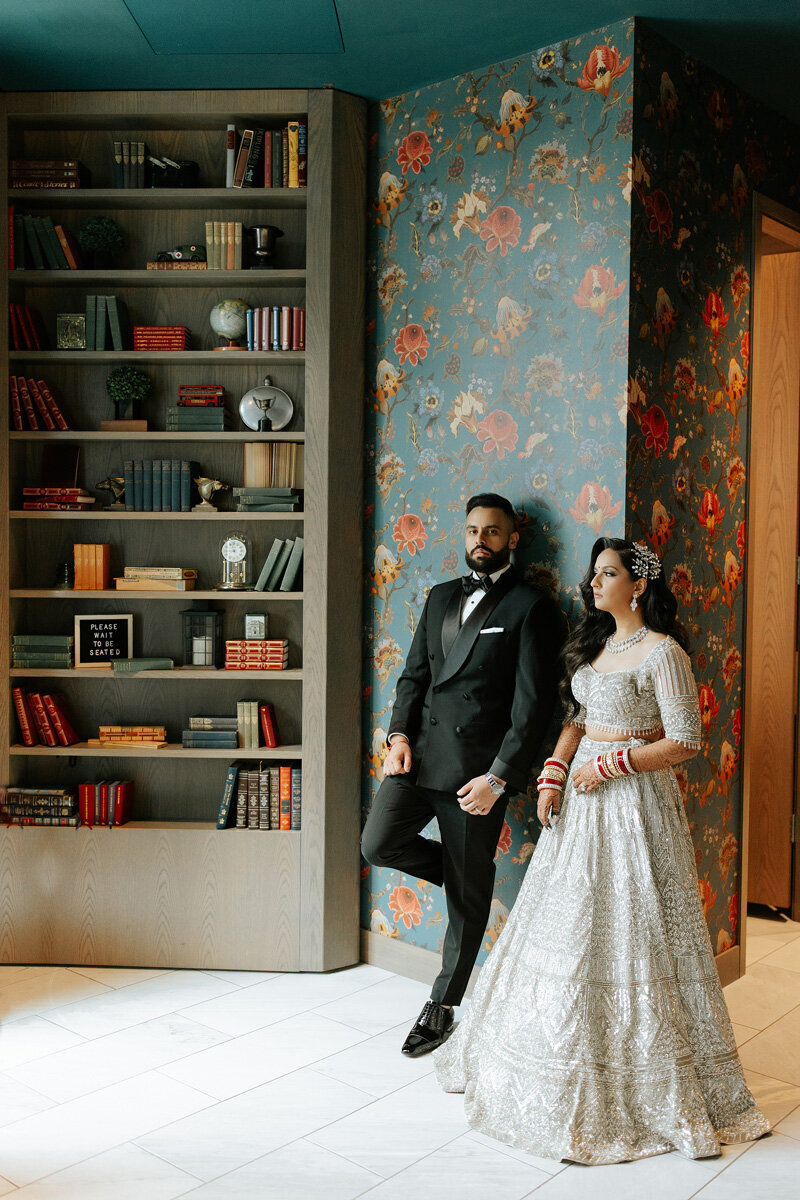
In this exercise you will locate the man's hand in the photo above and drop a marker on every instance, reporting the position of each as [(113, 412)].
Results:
[(398, 760), (477, 797), (549, 805)]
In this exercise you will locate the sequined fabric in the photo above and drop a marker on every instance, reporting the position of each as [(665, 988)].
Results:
[(598, 1030)]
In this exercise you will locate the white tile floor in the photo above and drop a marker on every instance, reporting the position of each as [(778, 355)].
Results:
[(149, 1085)]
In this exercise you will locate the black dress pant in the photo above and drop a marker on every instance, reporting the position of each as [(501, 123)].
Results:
[(463, 862)]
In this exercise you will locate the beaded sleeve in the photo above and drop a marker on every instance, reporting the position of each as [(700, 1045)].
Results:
[(676, 695)]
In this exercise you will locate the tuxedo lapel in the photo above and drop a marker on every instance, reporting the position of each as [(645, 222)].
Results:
[(465, 638), (452, 620)]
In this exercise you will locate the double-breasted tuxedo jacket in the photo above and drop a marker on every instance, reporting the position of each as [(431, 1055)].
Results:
[(478, 697)]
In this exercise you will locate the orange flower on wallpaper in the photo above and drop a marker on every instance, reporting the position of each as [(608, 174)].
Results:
[(593, 506), (731, 576), (746, 350), (468, 212), (708, 896), (728, 853), (736, 385), (411, 344), (404, 906), (710, 513), (665, 320), (415, 152), (655, 430), (737, 726), (685, 379), (597, 289), (733, 911), (740, 536), (409, 533), (504, 841), (724, 941), (515, 112), (718, 112), (658, 211), (662, 525), (680, 583), (728, 760), (709, 706), (735, 477), (387, 385), (731, 667), (390, 192), (601, 68), (501, 229), (498, 431), (740, 287), (714, 315)]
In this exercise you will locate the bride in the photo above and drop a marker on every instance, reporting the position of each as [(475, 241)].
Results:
[(598, 1031)]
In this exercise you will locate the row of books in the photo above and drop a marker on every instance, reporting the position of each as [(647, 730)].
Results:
[(281, 570), (107, 802), (35, 243), (42, 650), (266, 797), (280, 327), (32, 401), (224, 245), (63, 173), (262, 654), (156, 579), (161, 337), (273, 464), (129, 163), (266, 499), (57, 499), (38, 806), (44, 718), (108, 324), (26, 327), (183, 418), (270, 158), (158, 484), (92, 562)]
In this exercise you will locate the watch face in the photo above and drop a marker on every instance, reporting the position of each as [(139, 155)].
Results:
[(233, 549)]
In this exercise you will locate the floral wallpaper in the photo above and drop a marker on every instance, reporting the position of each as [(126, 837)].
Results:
[(498, 360), (700, 148)]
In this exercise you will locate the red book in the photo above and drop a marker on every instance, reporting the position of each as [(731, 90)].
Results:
[(50, 506), (122, 803), (16, 406), (50, 401), (44, 411), (27, 402), (302, 154), (104, 802), (298, 328), (24, 717), (53, 493), (56, 706), (30, 327), (268, 725), (86, 803), (285, 156), (47, 735), (285, 797), (16, 329), (11, 237), (267, 159)]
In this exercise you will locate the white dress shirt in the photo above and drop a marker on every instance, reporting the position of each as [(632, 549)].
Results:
[(472, 602)]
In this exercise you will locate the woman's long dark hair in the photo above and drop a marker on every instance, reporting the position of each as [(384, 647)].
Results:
[(658, 607)]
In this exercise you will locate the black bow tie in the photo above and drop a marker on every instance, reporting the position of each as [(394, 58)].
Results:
[(470, 584)]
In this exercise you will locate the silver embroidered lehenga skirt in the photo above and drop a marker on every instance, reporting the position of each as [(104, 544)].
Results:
[(597, 1031)]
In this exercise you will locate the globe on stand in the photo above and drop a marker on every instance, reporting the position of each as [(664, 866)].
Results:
[(228, 319)]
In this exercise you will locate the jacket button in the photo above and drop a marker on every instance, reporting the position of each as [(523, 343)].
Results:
[(458, 729), (433, 721)]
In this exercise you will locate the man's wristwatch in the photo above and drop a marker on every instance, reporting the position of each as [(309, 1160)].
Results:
[(497, 787)]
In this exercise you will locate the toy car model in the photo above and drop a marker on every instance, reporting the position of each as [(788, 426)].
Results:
[(183, 254)]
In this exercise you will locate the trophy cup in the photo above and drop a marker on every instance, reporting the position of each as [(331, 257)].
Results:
[(262, 245)]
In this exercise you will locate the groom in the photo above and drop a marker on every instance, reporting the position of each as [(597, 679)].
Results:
[(472, 706)]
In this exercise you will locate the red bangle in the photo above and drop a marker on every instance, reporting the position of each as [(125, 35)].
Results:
[(598, 762)]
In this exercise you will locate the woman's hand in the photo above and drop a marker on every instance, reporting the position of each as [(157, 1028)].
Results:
[(549, 802), (586, 778)]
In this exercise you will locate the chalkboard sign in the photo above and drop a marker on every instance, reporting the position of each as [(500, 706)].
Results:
[(100, 640)]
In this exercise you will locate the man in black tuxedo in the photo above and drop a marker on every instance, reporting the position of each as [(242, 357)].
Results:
[(471, 708)]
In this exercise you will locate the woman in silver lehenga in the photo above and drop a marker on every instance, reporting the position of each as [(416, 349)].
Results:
[(598, 1031)]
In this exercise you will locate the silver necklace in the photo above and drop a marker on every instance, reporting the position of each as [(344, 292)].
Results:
[(620, 647)]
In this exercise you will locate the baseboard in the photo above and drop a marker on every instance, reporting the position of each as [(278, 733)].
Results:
[(728, 965)]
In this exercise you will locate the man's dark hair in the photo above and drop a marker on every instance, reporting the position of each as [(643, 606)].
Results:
[(492, 500)]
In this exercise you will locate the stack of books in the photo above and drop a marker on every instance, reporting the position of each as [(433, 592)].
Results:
[(211, 733), (156, 579), (224, 245), (270, 158), (108, 325), (281, 569), (129, 164), (38, 806), (161, 337), (35, 243), (201, 395), (33, 400), (268, 499), (41, 650), (262, 798), (184, 419), (154, 736), (58, 499), (64, 173), (44, 718), (158, 484), (282, 327), (265, 654), (92, 566), (27, 328), (107, 802)]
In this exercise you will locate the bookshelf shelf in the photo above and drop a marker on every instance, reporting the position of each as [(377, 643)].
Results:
[(166, 889)]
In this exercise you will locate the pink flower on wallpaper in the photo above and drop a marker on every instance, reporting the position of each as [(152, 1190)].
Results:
[(415, 152), (659, 213), (404, 906), (601, 68), (504, 841), (409, 533), (498, 431), (501, 229), (593, 506), (411, 344), (597, 288), (655, 430), (714, 315)]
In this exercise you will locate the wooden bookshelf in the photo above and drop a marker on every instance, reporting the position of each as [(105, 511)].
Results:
[(168, 889)]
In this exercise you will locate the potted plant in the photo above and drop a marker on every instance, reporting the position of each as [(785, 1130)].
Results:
[(126, 388), (101, 238)]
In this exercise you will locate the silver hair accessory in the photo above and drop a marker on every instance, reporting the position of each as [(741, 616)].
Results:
[(645, 562)]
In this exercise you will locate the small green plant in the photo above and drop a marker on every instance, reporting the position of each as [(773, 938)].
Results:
[(126, 387), (101, 235)]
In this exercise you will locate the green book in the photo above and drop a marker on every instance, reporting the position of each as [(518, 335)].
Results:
[(292, 566), (100, 323), (276, 573), (228, 791), (91, 320), (50, 244), (130, 666), (33, 243), (118, 323), (266, 570)]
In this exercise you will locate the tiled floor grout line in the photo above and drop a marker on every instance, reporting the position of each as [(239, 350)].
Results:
[(757, 1032)]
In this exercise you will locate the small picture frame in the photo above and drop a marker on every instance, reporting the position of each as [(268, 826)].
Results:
[(102, 638), (255, 626), (71, 331)]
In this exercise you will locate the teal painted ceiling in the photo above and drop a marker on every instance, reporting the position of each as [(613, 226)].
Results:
[(376, 48)]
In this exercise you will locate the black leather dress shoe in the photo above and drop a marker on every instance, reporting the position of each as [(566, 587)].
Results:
[(433, 1026)]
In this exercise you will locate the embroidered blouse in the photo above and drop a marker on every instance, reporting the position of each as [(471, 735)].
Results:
[(659, 693)]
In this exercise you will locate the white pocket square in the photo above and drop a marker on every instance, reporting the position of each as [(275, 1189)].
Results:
[(494, 629)]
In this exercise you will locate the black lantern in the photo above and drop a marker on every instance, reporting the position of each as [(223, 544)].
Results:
[(202, 636)]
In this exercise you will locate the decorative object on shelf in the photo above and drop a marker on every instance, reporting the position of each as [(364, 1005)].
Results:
[(64, 576), (234, 551), (266, 408), (115, 486), (202, 636), (173, 173), (207, 488), (101, 239), (102, 638), (228, 319), (262, 240), (255, 626), (71, 331), (182, 254), (126, 387)]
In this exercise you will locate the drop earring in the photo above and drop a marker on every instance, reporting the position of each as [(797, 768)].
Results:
[(634, 603)]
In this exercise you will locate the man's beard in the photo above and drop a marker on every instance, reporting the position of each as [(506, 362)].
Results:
[(487, 564)]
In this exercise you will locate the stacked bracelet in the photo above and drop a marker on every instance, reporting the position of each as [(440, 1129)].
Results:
[(613, 764), (554, 775)]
